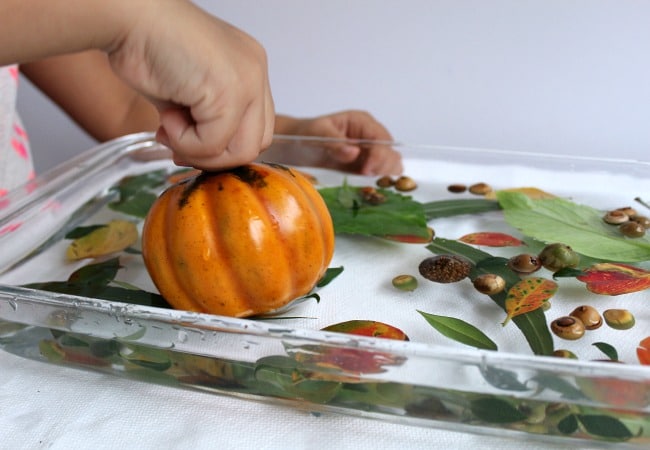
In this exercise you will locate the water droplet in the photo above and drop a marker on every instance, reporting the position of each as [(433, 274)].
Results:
[(182, 336)]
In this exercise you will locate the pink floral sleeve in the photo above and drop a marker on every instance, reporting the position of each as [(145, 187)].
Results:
[(15, 158)]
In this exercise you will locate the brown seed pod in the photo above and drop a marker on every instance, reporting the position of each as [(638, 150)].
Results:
[(615, 217), (567, 327), (480, 188), (643, 220), (589, 316), (489, 283), (385, 181), (371, 196), (627, 210), (445, 268), (632, 229), (405, 184), (562, 353), (525, 263), (457, 188)]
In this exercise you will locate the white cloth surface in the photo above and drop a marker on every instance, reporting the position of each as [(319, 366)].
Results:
[(51, 407), (48, 406)]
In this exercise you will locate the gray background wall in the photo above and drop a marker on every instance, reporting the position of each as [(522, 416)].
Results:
[(558, 76)]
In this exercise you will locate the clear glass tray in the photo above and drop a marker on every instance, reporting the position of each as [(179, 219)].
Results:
[(428, 381)]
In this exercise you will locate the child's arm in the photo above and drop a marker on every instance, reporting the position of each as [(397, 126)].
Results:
[(86, 88), (207, 79)]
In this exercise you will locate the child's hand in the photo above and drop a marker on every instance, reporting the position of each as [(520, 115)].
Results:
[(208, 80), (364, 159)]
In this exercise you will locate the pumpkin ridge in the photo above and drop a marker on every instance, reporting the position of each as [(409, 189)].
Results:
[(170, 239), (324, 225), (268, 203), (260, 261), (319, 208), (161, 236), (226, 278)]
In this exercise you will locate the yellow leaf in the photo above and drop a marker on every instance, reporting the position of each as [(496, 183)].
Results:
[(532, 192), (115, 236), (528, 295)]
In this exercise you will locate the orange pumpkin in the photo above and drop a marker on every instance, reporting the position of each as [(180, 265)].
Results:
[(240, 242)]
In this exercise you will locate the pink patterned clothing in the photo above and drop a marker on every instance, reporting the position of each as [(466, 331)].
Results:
[(15, 158)]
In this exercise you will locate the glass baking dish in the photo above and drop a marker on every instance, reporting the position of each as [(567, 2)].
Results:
[(429, 381)]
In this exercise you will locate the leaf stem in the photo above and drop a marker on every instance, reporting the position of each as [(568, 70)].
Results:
[(448, 208), (639, 200)]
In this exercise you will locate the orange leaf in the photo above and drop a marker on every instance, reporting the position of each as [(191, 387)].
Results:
[(491, 239), (643, 351), (528, 295), (368, 328), (615, 278)]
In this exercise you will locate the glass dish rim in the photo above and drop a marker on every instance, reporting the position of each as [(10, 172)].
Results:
[(96, 158)]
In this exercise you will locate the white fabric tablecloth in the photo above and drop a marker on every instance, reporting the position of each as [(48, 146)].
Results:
[(47, 406)]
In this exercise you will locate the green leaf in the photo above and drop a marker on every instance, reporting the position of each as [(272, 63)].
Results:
[(82, 231), (568, 425), (558, 384), (503, 379), (607, 349), (147, 357), (494, 410), (460, 331), (568, 272), (604, 426), (532, 324), (330, 274), (442, 246), (93, 281), (131, 185), (457, 207), (137, 205), (398, 215), (96, 274), (137, 193), (579, 226)]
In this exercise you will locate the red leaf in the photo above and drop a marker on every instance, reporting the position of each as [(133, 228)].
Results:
[(615, 279), (411, 238), (528, 295), (352, 360), (491, 239), (623, 394), (643, 351)]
